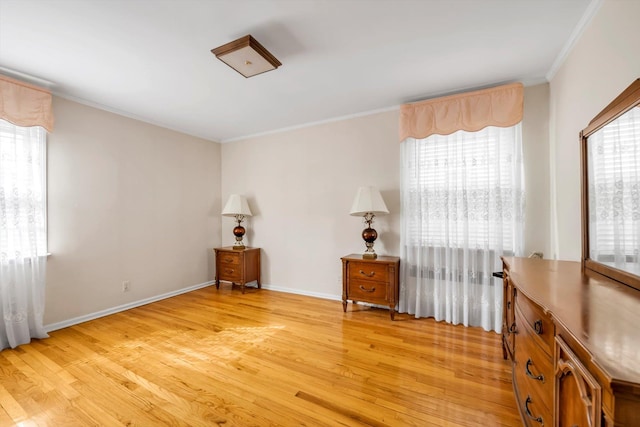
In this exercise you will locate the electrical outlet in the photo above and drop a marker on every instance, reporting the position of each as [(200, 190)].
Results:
[(126, 286)]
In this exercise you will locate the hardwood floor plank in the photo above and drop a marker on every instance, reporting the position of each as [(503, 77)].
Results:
[(217, 357), (11, 409)]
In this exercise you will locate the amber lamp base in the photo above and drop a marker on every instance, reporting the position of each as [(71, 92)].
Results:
[(238, 231), (369, 235)]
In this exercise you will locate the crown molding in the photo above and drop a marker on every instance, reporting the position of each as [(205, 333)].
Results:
[(588, 15)]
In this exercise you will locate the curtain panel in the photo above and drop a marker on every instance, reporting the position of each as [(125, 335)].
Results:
[(25, 105), (501, 106), (25, 116), (462, 203)]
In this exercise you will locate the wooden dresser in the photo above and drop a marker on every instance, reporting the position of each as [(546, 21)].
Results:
[(370, 280), (574, 341), (237, 266)]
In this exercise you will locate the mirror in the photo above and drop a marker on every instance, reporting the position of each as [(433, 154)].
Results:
[(610, 151)]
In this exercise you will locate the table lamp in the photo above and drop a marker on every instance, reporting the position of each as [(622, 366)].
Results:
[(237, 207), (368, 203)]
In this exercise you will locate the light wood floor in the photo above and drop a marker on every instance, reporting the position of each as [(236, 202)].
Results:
[(213, 357)]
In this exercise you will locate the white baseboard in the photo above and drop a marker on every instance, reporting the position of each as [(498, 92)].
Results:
[(70, 322), (302, 292), (316, 295), (91, 316)]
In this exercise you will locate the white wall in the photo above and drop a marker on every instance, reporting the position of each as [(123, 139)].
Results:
[(127, 201), (535, 141), (132, 201), (602, 63), (300, 185)]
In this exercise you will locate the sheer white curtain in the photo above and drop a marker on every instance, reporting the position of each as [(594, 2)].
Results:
[(22, 233), (462, 202)]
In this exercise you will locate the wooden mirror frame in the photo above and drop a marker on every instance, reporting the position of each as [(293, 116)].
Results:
[(627, 100)]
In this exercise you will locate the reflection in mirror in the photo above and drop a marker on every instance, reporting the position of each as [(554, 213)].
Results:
[(614, 193)]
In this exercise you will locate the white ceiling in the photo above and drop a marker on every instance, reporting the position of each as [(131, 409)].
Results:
[(151, 59)]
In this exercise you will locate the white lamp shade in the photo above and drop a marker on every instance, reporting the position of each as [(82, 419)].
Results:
[(368, 200), (236, 205)]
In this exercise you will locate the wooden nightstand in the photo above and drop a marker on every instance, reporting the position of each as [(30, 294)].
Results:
[(371, 280), (237, 266)]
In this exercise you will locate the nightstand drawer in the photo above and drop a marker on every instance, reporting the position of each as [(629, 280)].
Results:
[(368, 291), (230, 273), (229, 258), (369, 271)]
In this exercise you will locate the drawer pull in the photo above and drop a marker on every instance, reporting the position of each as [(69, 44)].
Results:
[(513, 329), (229, 270), (528, 411), (367, 290), (530, 374), (373, 273), (537, 326), (228, 260)]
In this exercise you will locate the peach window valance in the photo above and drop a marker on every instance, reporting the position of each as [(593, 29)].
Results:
[(25, 105), (500, 106)]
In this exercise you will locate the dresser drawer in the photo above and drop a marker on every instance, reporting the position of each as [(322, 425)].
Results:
[(362, 290), (534, 413), (228, 258), (509, 323), (533, 367), (368, 271), (538, 323)]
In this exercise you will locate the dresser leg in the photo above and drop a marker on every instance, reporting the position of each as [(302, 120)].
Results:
[(344, 305), (242, 286), (217, 283), (392, 312)]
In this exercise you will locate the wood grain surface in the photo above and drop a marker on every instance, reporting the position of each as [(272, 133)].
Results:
[(217, 357)]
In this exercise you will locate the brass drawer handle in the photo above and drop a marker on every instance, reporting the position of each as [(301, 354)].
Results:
[(229, 270), (228, 260), (368, 290), (513, 329), (528, 411), (530, 374), (537, 326), (368, 275)]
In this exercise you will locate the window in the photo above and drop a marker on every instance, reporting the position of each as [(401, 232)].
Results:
[(23, 210), (462, 203), (464, 190), (22, 191)]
